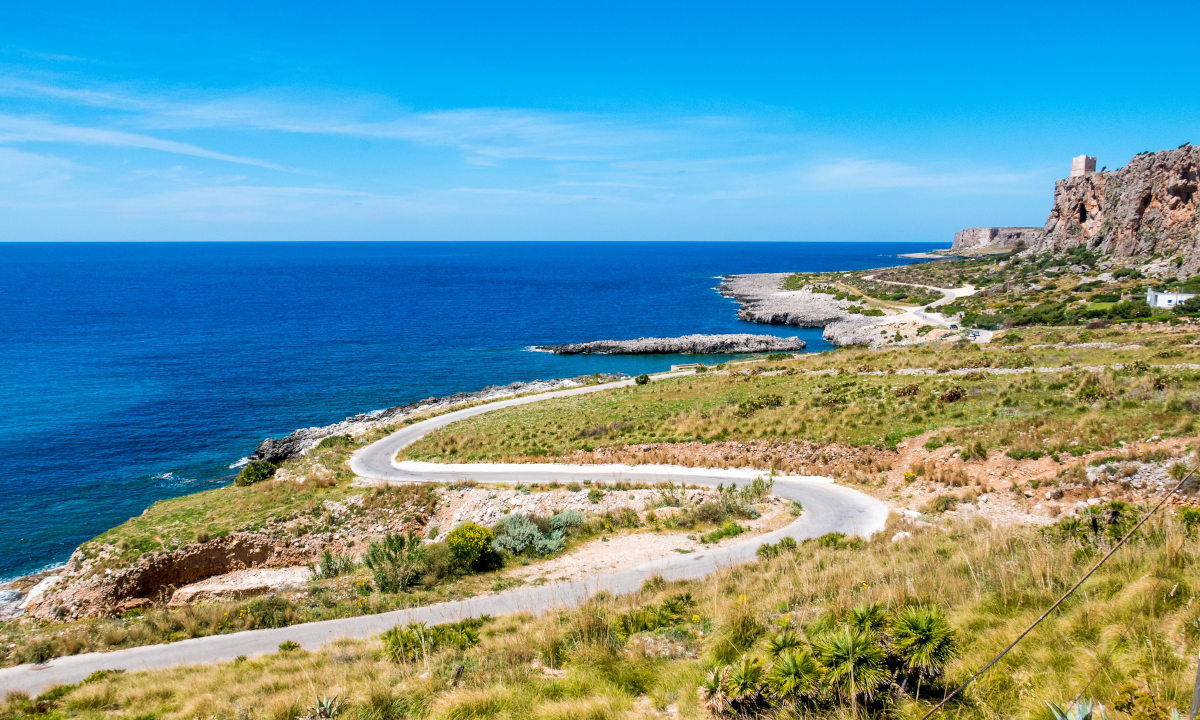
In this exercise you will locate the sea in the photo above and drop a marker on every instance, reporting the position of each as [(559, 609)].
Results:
[(132, 372)]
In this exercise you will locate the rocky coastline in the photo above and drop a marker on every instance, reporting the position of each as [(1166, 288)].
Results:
[(687, 344), (762, 299)]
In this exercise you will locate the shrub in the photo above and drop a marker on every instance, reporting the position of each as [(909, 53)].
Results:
[(270, 612), (941, 504), (594, 495), (566, 520), (1190, 517), (255, 472), (856, 665), (395, 561), (335, 442), (469, 543), (288, 646), (519, 534), (953, 394), (439, 564), (99, 675), (729, 529), (642, 379), (416, 641), (331, 566)]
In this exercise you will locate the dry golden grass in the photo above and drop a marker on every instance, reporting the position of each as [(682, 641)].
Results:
[(1137, 621)]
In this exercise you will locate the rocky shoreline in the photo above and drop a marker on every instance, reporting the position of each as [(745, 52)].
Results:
[(763, 300), (687, 344), (299, 442)]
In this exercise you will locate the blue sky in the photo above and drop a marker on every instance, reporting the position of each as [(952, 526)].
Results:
[(558, 120)]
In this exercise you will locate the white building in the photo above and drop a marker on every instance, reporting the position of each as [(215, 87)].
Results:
[(1167, 299)]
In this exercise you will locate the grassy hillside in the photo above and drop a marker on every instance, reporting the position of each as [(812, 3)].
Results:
[(1025, 393), (1129, 637)]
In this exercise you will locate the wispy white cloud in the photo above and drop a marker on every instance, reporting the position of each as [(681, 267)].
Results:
[(17, 129), (554, 163)]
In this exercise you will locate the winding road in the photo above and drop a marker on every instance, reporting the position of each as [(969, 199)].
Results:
[(827, 508)]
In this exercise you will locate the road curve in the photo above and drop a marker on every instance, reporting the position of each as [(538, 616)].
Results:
[(827, 508)]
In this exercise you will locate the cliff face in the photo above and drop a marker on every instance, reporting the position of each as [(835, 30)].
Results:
[(995, 237), (1149, 206)]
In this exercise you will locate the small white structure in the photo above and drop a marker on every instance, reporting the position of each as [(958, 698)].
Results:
[(1082, 165), (1167, 300)]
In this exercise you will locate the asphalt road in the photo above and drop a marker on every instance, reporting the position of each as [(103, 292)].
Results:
[(827, 508)]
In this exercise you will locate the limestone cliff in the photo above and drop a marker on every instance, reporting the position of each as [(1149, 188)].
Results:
[(1150, 206), (995, 237)]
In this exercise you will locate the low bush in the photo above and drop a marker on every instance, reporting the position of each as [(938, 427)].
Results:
[(331, 565), (471, 545), (521, 534), (255, 472), (650, 618), (728, 530), (395, 561), (865, 660), (642, 379), (941, 504), (417, 641)]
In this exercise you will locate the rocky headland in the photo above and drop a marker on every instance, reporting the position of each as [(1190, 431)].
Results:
[(1149, 207), (687, 344), (984, 239), (763, 300), (1145, 212)]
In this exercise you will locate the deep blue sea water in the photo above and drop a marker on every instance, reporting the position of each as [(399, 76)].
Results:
[(131, 372)]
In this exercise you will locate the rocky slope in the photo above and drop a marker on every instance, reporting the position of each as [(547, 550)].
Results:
[(299, 442), (688, 344), (1149, 207)]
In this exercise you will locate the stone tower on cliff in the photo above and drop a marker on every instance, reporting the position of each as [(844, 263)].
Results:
[(1082, 165)]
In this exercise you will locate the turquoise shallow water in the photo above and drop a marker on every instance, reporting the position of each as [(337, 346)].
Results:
[(132, 372)]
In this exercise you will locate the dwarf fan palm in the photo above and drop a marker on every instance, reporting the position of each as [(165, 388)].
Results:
[(924, 642), (855, 664), (782, 641), (795, 675), (745, 680), (869, 618)]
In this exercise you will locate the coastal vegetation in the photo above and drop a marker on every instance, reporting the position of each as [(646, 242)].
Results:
[(778, 634), (1024, 393), (763, 639), (398, 570)]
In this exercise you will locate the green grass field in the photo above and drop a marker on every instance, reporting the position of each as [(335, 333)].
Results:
[(1039, 401)]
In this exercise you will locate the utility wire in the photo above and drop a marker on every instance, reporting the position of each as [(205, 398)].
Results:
[(1064, 597)]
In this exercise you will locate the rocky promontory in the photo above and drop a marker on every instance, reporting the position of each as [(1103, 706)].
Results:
[(995, 238), (687, 344), (764, 300)]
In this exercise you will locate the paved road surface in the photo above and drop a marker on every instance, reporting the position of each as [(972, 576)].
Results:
[(828, 508)]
